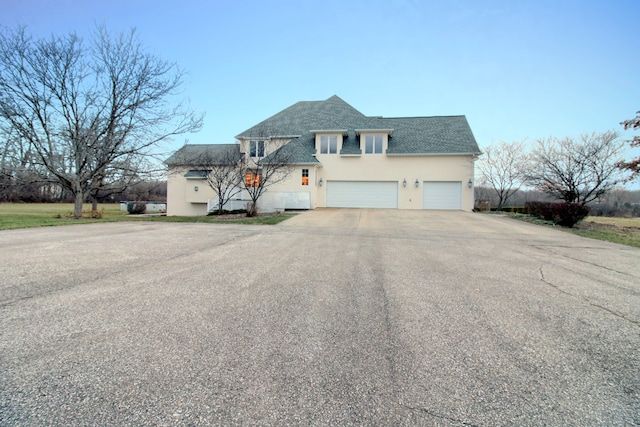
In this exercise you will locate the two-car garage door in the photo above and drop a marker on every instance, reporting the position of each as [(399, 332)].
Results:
[(362, 194)]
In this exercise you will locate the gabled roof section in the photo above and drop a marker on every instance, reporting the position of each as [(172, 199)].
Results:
[(430, 135), (303, 116), (299, 151), (351, 145), (205, 154)]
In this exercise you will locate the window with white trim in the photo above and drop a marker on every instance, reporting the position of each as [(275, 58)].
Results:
[(373, 144), (328, 144), (305, 176), (256, 149)]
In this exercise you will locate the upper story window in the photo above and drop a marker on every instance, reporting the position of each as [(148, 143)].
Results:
[(256, 149), (328, 144), (373, 144)]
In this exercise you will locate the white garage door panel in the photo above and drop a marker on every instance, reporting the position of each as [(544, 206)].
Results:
[(442, 195), (359, 194)]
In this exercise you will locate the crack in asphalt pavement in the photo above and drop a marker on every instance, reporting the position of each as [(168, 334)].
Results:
[(434, 414), (543, 279), (604, 267)]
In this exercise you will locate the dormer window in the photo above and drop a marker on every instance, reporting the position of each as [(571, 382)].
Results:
[(373, 144), (328, 144), (256, 149)]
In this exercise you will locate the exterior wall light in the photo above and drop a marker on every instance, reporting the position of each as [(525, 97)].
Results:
[(404, 183), (195, 188), (320, 182), (470, 183), (417, 183)]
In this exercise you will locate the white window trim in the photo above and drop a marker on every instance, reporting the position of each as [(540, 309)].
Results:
[(257, 145), (328, 139), (373, 142)]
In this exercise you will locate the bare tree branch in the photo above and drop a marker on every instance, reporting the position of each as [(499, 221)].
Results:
[(90, 114), (223, 170), (503, 167), (577, 171), (264, 172), (633, 165)]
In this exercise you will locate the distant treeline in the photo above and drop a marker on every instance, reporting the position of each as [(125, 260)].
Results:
[(618, 202), (35, 191)]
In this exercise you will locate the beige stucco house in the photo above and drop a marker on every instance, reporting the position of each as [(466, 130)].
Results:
[(342, 158)]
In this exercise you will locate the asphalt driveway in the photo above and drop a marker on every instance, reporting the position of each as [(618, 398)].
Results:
[(335, 317)]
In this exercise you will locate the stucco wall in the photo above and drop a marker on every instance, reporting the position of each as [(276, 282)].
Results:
[(182, 198), (294, 183), (380, 167)]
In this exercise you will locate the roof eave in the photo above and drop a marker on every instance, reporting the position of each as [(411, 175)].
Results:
[(243, 137), (344, 132), (387, 131), (434, 154)]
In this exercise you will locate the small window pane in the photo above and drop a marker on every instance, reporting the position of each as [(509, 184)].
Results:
[(324, 144), (333, 145), (256, 149), (368, 144), (378, 144)]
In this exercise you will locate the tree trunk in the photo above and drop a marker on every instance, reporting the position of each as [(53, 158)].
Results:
[(94, 204), (252, 209), (77, 206)]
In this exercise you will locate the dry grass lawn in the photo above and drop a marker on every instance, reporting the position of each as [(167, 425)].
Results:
[(617, 222), (618, 230)]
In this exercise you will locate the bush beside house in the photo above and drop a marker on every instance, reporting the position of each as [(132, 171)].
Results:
[(564, 214)]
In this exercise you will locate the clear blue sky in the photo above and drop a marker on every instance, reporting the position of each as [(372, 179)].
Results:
[(516, 69)]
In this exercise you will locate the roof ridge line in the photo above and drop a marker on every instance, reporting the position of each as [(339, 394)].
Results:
[(416, 117)]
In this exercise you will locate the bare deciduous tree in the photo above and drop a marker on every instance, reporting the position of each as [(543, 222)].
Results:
[(503, 167), (577, 171), (20, 178), (263, 172), (633, 165), (224, 171), (89, 113)]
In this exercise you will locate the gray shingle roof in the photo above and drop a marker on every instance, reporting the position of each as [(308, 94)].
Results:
[(351, 144), (304, 116), (204, 154), (411, 135), (431, 135), (299, 151)]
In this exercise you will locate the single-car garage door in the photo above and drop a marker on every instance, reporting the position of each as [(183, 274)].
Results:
[(361, 194), (442, 195)]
